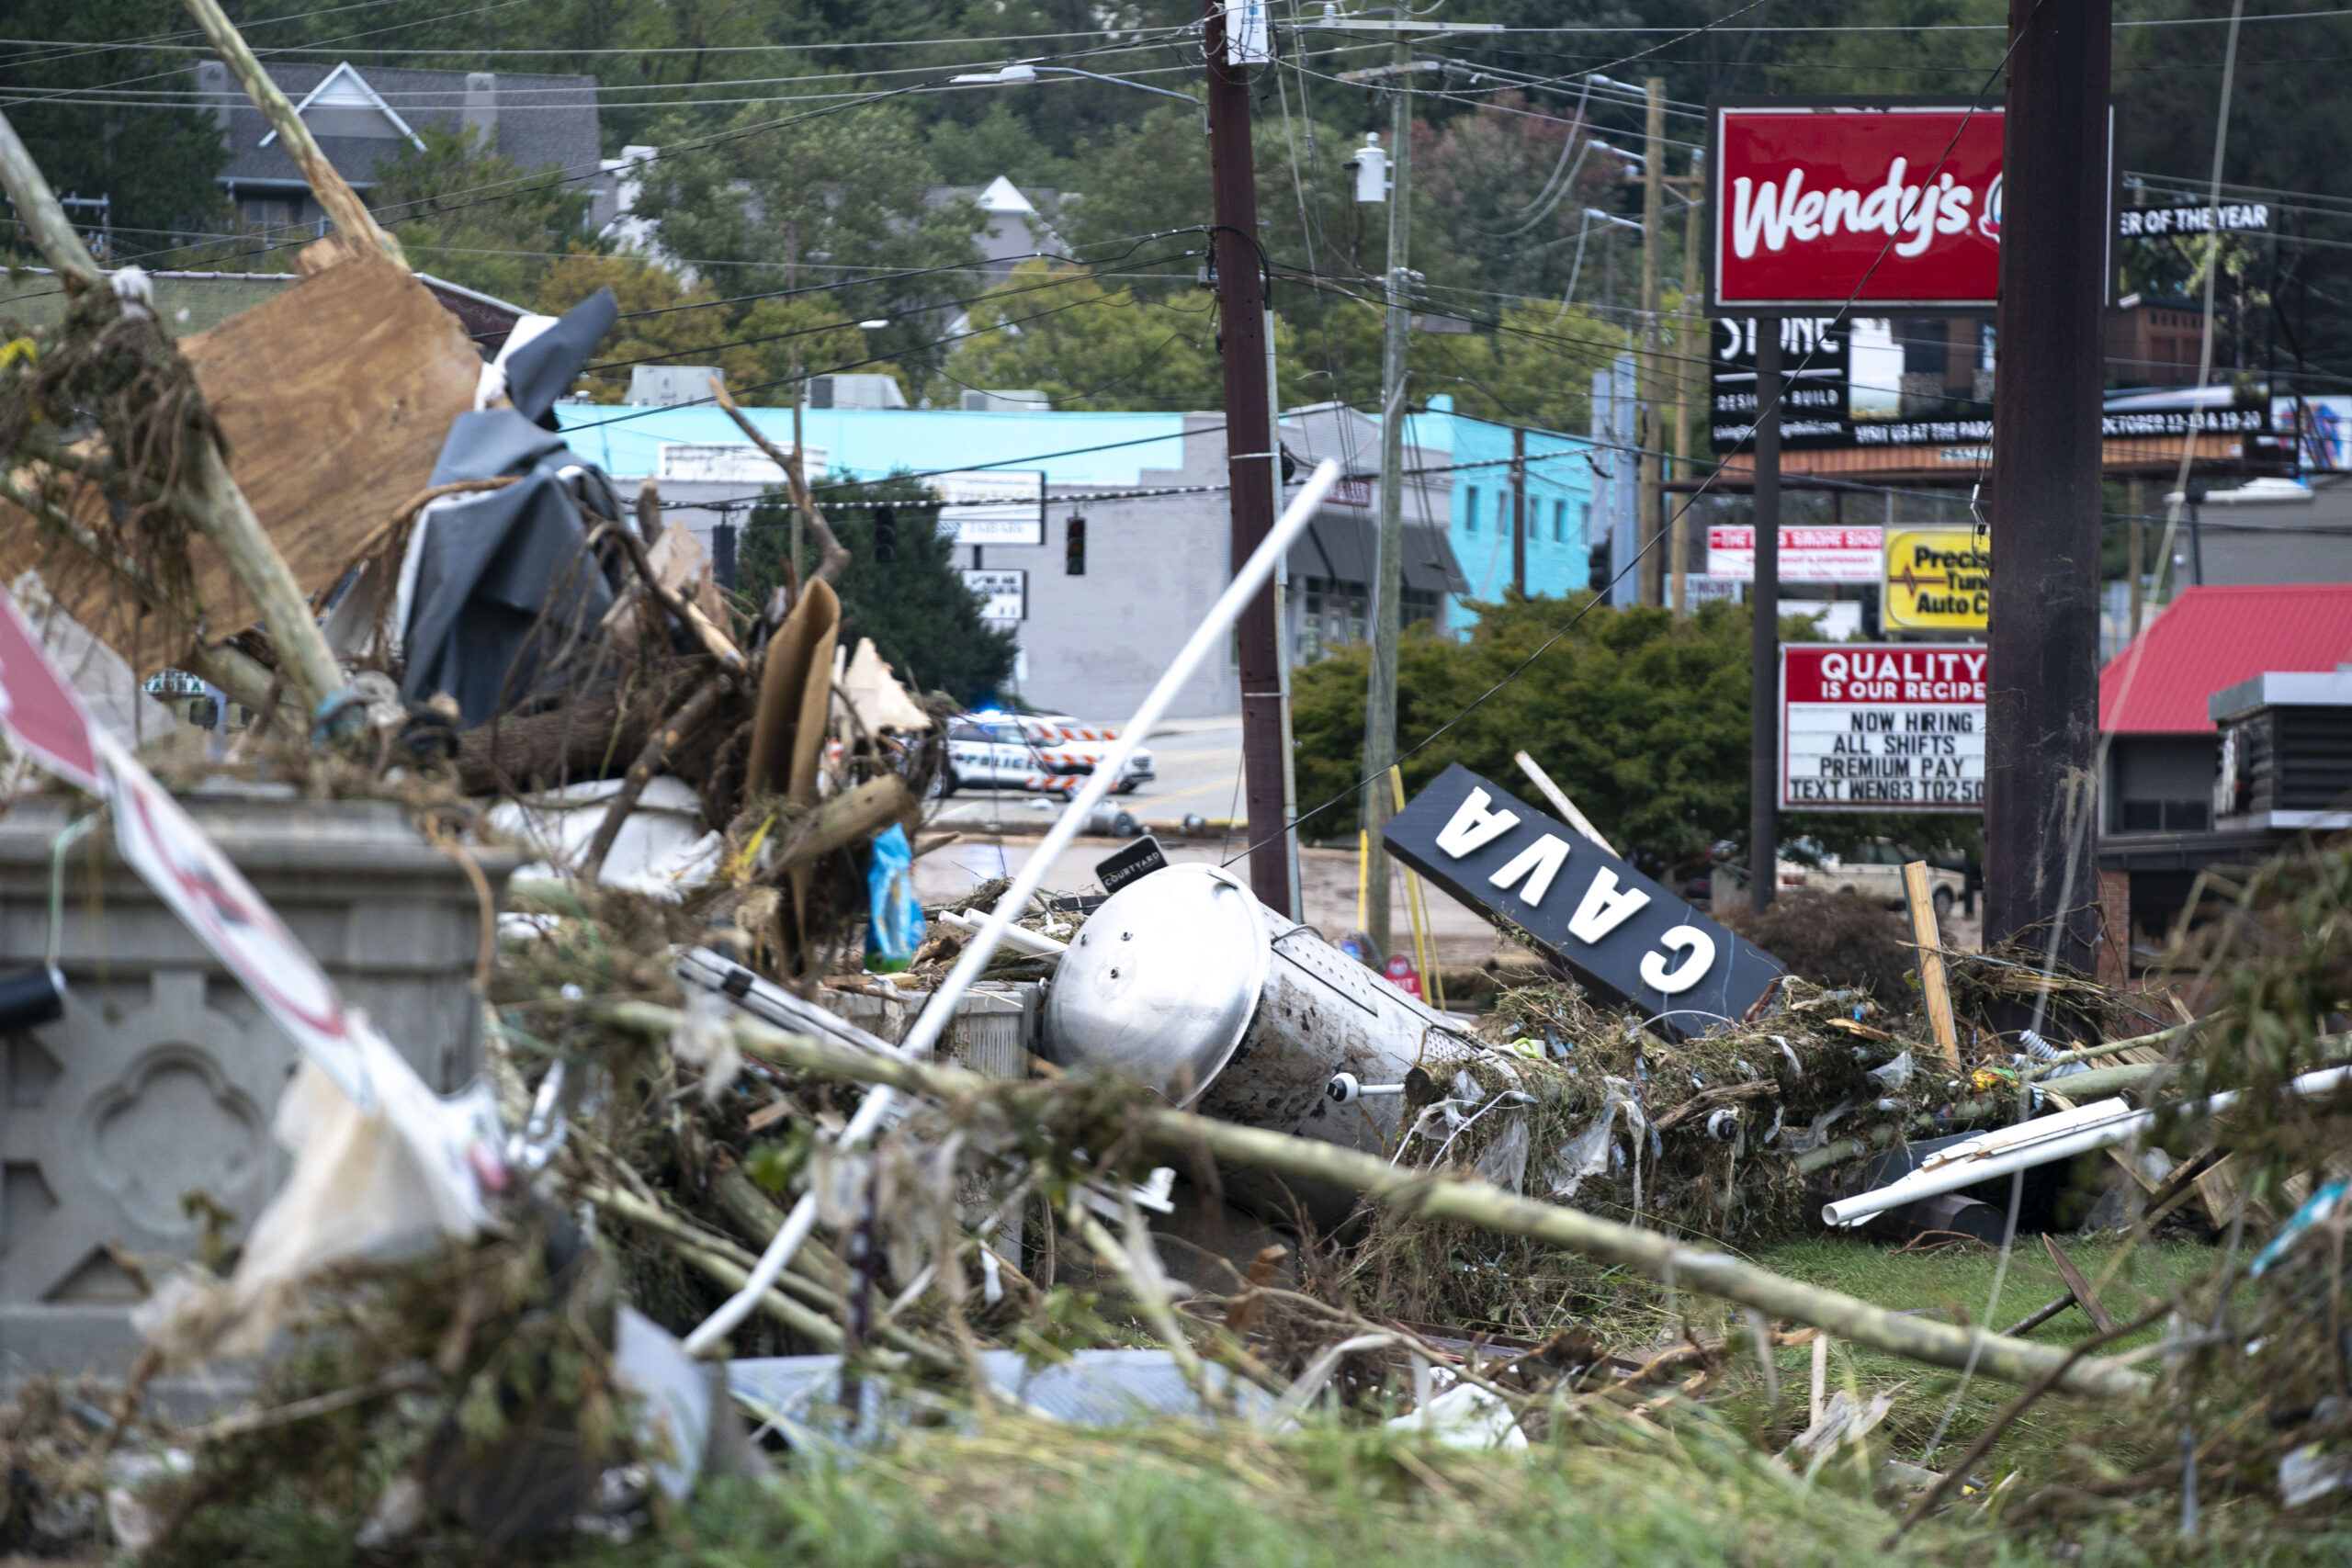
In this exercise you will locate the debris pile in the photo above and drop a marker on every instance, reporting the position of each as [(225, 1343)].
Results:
[(759, 1140)]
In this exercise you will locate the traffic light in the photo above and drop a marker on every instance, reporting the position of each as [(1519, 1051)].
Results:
[(1074, 548), (886, 533)]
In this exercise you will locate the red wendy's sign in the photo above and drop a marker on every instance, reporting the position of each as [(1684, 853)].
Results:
[(1812, 204)]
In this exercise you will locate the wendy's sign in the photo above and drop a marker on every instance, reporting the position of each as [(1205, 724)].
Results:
[(1890, 204)]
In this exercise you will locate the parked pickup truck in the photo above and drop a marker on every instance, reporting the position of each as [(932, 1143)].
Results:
[(1874, 870)]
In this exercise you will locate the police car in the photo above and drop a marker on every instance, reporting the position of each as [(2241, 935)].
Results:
[(1001, 751)]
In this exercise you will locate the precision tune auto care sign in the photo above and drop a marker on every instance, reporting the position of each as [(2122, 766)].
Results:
[(1624, 934), (1881, 727), (1813, 203)]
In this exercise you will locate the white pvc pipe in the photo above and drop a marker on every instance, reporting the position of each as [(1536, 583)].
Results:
[(883, 1104), (1019, 938), (2040, 1141)]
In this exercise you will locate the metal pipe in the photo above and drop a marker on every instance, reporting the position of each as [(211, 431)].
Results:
[(2039, 1142), (884, 1104)]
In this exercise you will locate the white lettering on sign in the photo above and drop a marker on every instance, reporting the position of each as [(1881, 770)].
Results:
[(1918, 212), (1474, 827), (1604, 908), (1882, 728), (1539, 863), (1699, 955)]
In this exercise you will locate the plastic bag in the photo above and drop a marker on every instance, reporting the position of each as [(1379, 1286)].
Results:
[(893, 924)]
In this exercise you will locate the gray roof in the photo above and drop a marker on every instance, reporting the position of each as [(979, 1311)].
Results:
[(535, 120)]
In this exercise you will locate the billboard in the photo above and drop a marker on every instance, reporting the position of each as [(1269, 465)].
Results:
[(1836, 376), (1881, 727), (1815, 203), (1807, 555), (1937, 580), (992, 506)]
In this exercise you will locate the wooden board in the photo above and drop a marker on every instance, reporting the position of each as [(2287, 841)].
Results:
[(333, 397)]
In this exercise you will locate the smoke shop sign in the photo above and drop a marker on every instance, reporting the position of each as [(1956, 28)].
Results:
[(1882, 728), (1624, 934)]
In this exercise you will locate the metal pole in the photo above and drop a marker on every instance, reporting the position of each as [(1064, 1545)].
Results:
[(1652, 501), (1764, 604), (1519, 510), (2041, 709), (1250, 458), (2135, 531), (1297, 906), (1380, 700), (1689, 380)]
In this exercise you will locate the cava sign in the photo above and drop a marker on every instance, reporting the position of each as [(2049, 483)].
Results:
[(1625, 935), (1869, 727)]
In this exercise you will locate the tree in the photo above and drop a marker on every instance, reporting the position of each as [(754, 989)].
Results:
[(434, 201), (154, 161), (663, 322), (922, 617), (1057, 330), (844, 195)]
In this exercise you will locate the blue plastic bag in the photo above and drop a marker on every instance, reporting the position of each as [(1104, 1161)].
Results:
[(893, 924)]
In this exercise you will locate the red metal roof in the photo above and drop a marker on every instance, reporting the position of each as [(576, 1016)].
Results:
[(2212, 637)]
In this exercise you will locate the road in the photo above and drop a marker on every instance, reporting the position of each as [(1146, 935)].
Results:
[(1199, 767)]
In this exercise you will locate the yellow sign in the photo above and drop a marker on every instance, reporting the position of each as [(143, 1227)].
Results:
[(1937, 580)]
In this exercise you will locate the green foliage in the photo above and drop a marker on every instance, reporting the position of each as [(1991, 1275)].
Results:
[(923, 619), (1645, 724), (431, 198), (1085, 346), (664, 322), (155, 160), (844, 196)]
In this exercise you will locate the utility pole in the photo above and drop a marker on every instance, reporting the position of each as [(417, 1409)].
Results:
[(2135, 537), (1251, 456), (1380, 704), (1519, 510), (1764, 602), (1653, 500), (1691, 363), (2042, 707)]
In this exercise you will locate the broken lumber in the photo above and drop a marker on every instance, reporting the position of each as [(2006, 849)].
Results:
[(1481, 1204)]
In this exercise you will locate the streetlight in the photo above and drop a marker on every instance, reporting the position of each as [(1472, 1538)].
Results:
[(1019, 72)]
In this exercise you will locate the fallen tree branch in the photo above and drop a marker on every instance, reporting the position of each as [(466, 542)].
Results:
[(1482, 1205), (848, 819), (688, 718), (716, 643), (834, 556)]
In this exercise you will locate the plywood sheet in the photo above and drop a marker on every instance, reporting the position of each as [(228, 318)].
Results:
[(334, 397)]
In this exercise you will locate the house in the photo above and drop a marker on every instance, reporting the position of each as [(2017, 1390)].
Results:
[(2157, 829), (362, 120), (1102, 578)]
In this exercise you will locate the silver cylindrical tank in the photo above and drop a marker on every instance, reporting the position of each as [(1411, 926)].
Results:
[(1184, 980)]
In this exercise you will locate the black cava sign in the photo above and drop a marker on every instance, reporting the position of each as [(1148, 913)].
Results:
[(1625, 936)]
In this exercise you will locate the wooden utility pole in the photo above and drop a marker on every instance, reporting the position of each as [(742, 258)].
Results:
[(1764, 648), (2042, 707), (1519, 510), (1651, 512), (1692, 361), (1380, 705), (2135, 537), (1251, 463)]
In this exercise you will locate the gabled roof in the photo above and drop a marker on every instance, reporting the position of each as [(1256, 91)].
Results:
[(2213, 637), (346, 88)]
